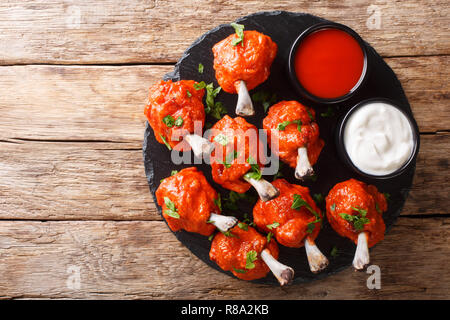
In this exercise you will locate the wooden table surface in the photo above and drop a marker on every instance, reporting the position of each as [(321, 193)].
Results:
[(76, 216)]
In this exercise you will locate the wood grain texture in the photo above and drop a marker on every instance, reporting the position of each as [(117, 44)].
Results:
[(144, 31), (131, 260), (106, 103), (102, 180)]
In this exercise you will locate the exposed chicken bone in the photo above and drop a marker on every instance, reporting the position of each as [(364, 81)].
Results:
[(244, 106), (283, 273)]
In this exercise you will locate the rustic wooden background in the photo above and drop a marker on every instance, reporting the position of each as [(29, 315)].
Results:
[(74, 199)]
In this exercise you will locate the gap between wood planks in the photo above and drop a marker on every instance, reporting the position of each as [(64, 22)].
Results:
[(169, 63)]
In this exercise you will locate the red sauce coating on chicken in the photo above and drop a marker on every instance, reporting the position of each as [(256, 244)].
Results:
[(232, 137), (356, 194), (177, 99), (290, 139), (230, 252), (249, 62), (193, 198), (293, 223)]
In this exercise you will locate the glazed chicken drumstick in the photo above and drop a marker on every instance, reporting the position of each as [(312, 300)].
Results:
[(293, 126), (191, 204), (235, 161), (248, 255), (294, 219), (173, 110), (354, 210), (242, 61)]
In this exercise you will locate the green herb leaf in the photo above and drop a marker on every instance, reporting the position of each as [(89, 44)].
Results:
[(358, 220), (239, 29), (387, 196), (269, 237), (273, 225), (171, 210), (255, 172), (165, 142), (318, 198), (333, 207), (188, 93), (334, 252), (239, 270), (300, 202), (329, 113), (174, 172), (265, 98), (228, 234), (377, 207), (169, 121), (200, 85), (211, 237), (310, 114), (218, 110), (299, 124), (282, 125), (243, 226), (251, 258), (218, 201), (310, 227), (222, 139), (200, 68), (179, 122), (361, 211)]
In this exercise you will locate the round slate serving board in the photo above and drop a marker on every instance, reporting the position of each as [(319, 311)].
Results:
[(283, 28)]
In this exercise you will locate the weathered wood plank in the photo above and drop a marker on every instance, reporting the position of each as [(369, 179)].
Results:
[(106, 103), (159, 31), (101, 181), (144, 260)]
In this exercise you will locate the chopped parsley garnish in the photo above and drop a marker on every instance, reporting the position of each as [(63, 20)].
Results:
[(333, 207), (171, 210), (239, 270), (282, 125), (179, 122), (228, 234), (273, 225), (200, 68), (169, 121), (174, 172), (239, 29), (358, 220), (211, 237), (255, 172), (222, 139), (298, 203), (387, 196), (334, 252), (265, 98), (310, 227), (165, 142), (318, 198), (310, 114), (188, 93), (329, 113), (218, 202), (243, 226), (377, 207), (269, 236), (251, 258), (215, 109)]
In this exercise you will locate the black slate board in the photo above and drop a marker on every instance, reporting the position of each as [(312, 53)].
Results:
[(284, 27)]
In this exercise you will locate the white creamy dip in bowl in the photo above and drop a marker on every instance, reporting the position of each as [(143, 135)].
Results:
[(378, 139)]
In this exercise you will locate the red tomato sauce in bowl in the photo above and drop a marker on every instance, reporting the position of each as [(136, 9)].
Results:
[(329, 63)]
